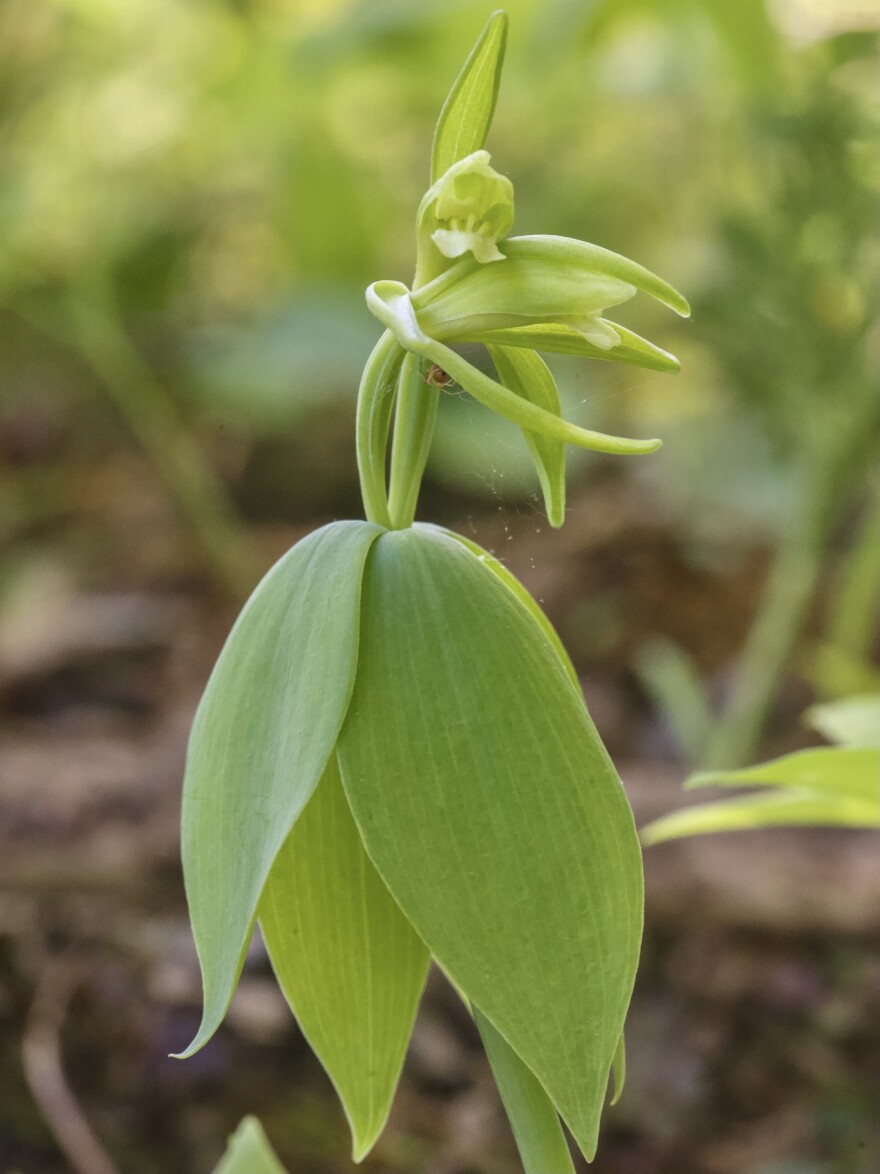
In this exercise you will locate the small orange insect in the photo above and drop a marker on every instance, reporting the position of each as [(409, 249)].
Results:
[(437, 377)]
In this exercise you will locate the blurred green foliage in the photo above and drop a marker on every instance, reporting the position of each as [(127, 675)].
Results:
[(221, 179)]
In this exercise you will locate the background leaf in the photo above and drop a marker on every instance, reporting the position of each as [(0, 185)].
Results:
[(467, 112), (829, 786), (261, 739), (852, 721), (348, 961), (249, 1152), (493, 813)]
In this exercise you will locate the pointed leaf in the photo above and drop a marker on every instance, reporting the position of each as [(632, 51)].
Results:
[(467, 112), (493, 813), (249, 1152), (526, 374), (532, 1115), (528, 415), (261, 738), (348, 961)]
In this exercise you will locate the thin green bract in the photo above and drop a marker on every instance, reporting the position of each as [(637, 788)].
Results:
[(493, 813)]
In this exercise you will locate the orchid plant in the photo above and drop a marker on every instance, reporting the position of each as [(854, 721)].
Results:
[(392, 763)]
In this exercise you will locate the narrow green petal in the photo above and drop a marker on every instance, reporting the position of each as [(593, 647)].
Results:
[(527, 375), (564, 340), (261, 738), (580, 256), (348, 961), (532, 1115), (490, 808), (467, 112), (249, 1152), (528, 415)]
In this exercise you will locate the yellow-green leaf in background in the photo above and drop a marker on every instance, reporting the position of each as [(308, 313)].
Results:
[(851, 721), (249, 1152), (491, 810), (262, 736), (831, 786), (348, 961)]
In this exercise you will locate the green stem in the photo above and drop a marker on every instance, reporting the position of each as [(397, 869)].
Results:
[(413, 429), (532, 1115), (376, 397)]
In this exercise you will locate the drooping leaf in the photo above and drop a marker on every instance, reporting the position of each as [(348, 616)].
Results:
[(852, 721), (526, 374), (467, 112), (348, 961), (261, 738), (532, 1115), (249, 1152), (493, 813), (829, 786)]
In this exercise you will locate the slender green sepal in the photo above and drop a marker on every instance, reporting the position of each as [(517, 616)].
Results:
[(346, 958), (261, 739), (527, 375), (464, 712), (249, 1152), (376, 398), (417, 402), (467, 112), (533, 1118)]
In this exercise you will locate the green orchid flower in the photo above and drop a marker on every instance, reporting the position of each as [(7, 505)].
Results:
[(392, 762), (468, 209)]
